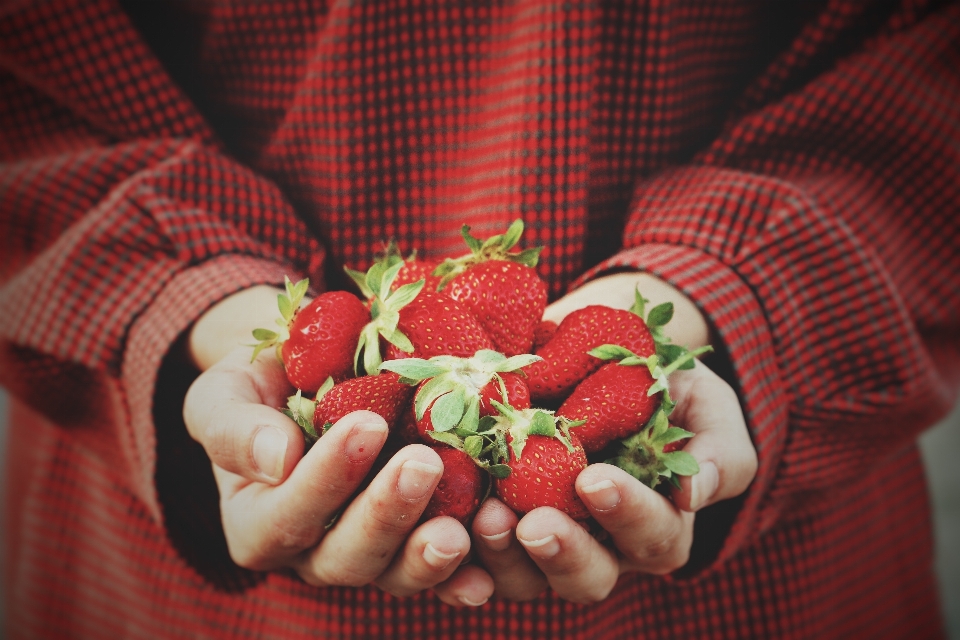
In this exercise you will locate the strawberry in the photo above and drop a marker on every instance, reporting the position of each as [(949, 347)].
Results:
[(543, 332), (412, 270), (500, 287), (629, 400), (566, 360), (386, 304), (383, 394), (317, 341), (454, 393), (437, 325), (538, 461), (461, 489), (613, 402)]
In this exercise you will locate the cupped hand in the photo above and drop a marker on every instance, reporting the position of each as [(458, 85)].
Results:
[(647, 532), (318, 512)]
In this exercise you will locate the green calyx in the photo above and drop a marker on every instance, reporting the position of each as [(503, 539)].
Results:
[(519, 425), (385, 306), (288, 303), (301, 410), (452, 385), (642, 455), (496, 247)]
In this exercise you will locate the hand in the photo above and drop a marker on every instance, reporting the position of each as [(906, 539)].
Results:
[(276, 502), (649, 532)]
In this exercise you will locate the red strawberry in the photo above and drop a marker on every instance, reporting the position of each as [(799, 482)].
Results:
[(501, 288), (386, 302), (462, 487), (543, 332), (319, 340), (537, 461), (545, 475), (437, 325), (517, 396), (630, 401), (414, 270), (383, 394), (566, 360), (456, 392), (613, 402), (507, 298)]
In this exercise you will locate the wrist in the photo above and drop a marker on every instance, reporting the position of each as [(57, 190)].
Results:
[(230, 323), (688, 327)]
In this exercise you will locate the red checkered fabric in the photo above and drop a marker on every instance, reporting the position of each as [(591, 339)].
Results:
[(793, 167)]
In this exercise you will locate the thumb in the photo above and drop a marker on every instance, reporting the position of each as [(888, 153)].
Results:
[(708, 407), (230, 411)]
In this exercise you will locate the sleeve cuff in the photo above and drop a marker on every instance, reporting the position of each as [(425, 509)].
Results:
[(739, 321), (181, 301)]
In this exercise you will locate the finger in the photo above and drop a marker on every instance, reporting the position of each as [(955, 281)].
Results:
[(651, 534), (430, 555), (469, 586), (708, 407), (515, 576), (375, 525), (577, 567), (268, 526), (231, 411)]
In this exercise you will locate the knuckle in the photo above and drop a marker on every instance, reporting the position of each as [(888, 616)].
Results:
[(383, 519), (665, 556), (340, 574), (290, 537)]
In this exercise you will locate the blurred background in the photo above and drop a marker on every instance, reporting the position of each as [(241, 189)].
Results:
[(940, 446)]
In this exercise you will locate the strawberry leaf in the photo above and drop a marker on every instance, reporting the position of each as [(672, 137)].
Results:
[(472, 446), (471, 415), (512, 236), (542, 424), (474, 243), (360, 279), (529, 257), (285, 306), (516, 362), (499, 471), (681, 463), (447, 411), (446, 438), (400, 340), (404, 295), (389, 275), (265, 334), (672, 434), (416, 369), (611, 352), (660, 315), (639, 304)]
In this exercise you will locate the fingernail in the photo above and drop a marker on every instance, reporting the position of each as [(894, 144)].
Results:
[(602, 496), (498, 541), (470, 603), (365, 440), (269, 451), (417, 479), (436, 559), (704, 485), (544, 548)]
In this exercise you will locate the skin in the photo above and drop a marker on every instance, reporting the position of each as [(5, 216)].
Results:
[(276, 501)]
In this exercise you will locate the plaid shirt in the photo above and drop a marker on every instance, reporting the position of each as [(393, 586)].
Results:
[(794, 168)]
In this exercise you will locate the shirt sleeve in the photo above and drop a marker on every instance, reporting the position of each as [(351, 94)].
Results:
[(121, 220), (819, 235)]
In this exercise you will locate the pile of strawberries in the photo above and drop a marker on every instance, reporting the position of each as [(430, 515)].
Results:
[(454, 355)]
